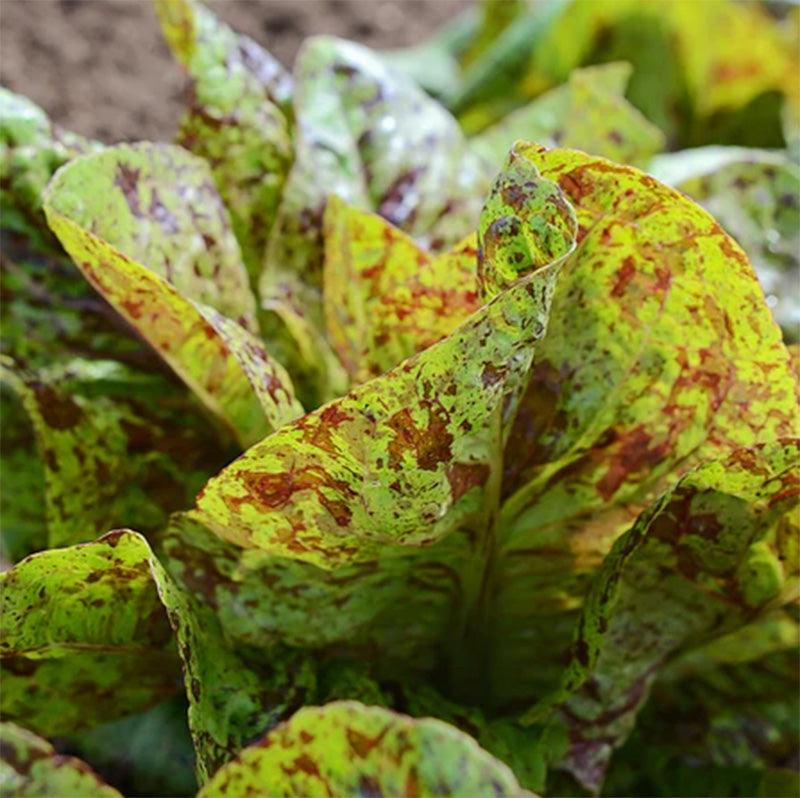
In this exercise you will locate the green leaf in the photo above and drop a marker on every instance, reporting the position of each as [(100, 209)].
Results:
[(371, 136), (754, 195), (588, 113), (236, 119), (31, 149), (83, 636), (711, 554), (347, 748), (660, 352), (22, 505), (408, 456), (115, 445), (29, 768), (155, 204), (385, 297)]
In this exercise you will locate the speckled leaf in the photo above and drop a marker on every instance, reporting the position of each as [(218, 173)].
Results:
[(347, 748), (710, 555), (755, 195), (116, 446), (371, 136), (83, 636), (386, 298), (231, 701), (235, 119), (157, 204), (397, 613), (588, 113), (31, 149), (411, 455), (660, 352), (30, 768), (86, 638), (226, 365)]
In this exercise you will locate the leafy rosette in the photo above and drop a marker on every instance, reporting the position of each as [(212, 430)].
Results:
[(444, 483)]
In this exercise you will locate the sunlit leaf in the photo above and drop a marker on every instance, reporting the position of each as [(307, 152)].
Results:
[(660, 352), (174, 223), (755, 195), (348, 748), (386, 298)]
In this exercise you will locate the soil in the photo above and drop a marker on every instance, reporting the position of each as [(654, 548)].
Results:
[(101, 68)]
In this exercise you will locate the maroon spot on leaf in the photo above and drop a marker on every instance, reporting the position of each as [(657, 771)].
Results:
[(465, 476), (127, 181), (624, 276), (58, 412), (430, 445)]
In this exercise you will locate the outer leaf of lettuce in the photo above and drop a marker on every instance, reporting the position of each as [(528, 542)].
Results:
[(348, 748), (29, 768), (84, 637), (710, 555), (115, 446), (755, 195), (236, 118), (660, 352), (409, 456), (589, 113), (158, 204), (385, 297), (220, 360)]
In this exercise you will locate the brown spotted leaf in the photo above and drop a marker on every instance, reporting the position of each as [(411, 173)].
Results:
[(374, 138), (385, 297), (30, 768), (660, 352), (83, 636), (708, 557), (116, 446), (409, 456), (235, 120), (31, 149), (346, 748), (137, 215), (755, 196)]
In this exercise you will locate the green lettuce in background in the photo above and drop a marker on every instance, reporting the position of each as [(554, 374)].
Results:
[(458, 464)]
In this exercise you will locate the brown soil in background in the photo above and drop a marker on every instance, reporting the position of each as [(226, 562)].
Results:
[(101, 68)]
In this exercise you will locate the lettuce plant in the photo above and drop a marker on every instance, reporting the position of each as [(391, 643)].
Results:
[(348, 454)]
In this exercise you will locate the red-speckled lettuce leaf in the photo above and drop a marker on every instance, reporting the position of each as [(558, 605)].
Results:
[(346, 748), (371, 136), (755, 196), (385, 297), (660, 352), (116, 446), (237, 119), (707, 558), (147, 228)]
